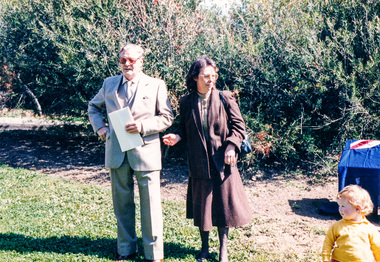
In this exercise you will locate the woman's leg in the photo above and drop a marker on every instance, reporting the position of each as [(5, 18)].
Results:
[(204, 251), (223, 237)]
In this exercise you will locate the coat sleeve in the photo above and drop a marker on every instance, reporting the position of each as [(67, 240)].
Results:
[(236, 123), (181, 130)]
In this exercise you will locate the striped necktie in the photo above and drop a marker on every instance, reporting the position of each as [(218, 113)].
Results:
[(130, 89)]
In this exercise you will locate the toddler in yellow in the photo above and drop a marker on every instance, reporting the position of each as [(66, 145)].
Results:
[(353, 238)]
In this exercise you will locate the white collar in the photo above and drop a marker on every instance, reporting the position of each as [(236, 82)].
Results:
[(135, 80)]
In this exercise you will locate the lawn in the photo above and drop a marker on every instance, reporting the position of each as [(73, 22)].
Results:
[(45, 218)]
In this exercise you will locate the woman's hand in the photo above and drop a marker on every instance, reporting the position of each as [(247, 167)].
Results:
[(171, 139), (230, 155)]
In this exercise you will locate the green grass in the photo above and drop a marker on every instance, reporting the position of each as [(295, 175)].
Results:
[(44, 218)]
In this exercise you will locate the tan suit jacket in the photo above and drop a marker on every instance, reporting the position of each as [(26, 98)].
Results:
[(150, 105)]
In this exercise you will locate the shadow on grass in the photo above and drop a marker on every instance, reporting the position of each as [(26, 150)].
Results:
[(48, 149), (54, 151), (101, 248), (104, 248), (311, 208), (323, 209)]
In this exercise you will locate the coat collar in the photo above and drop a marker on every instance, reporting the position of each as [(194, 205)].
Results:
[(212, 114)]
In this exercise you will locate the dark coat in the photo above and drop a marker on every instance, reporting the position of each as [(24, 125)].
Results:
[(216, 195), (221, 132)]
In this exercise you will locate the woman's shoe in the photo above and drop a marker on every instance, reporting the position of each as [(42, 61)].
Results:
[(129, 257), (202, 256)]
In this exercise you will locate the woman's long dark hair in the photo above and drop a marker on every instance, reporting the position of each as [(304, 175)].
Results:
[(194, 70)]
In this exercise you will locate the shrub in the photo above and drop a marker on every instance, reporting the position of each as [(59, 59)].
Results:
[(305, 72)]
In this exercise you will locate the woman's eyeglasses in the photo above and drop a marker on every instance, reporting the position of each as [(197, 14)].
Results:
[(123, 60), (208, 77)]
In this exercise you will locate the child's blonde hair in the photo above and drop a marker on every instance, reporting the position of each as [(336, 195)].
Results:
[(358, 197)]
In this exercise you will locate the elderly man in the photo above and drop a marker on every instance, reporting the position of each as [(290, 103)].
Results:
[(150, 107)]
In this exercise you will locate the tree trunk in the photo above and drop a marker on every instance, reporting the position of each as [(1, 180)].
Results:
[(34, 98)]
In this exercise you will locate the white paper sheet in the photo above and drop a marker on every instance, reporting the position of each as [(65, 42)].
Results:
[(126, 140)]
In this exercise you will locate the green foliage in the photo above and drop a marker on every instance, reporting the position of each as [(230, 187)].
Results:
[(305, 72), (312, 74), (65, 49), (6, 84)]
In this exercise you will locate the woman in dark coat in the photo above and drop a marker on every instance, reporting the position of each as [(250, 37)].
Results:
[(213, 134)]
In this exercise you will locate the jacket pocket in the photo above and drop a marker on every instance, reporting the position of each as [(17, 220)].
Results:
[(155, 138)]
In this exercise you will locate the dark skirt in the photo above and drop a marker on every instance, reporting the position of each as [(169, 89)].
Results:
[(213, 202)]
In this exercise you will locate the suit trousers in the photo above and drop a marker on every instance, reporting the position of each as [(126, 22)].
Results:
[(122, 183)]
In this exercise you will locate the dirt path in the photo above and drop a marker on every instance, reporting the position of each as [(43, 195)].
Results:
[(285, 209)]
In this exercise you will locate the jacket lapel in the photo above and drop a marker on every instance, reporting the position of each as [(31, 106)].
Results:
[(197, 117), (140, 87), (118, 92), (213, 108)]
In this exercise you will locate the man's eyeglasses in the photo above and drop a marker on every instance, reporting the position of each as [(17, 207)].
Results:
[(123, 60), (208, 77)]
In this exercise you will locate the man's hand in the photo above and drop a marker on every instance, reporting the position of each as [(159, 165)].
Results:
[(134, 127), (102, 132)]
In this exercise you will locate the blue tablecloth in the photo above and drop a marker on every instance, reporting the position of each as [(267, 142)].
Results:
[(360, 165)]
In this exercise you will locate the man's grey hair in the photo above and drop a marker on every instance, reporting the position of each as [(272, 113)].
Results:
[(137, 48)]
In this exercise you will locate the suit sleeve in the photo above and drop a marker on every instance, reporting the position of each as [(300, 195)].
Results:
[(163, 116), (94, 110)]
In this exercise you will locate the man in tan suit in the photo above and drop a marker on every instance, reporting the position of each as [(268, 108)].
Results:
[(150, 107)]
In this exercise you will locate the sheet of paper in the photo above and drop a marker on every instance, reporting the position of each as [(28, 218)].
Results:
[(126, 140)]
